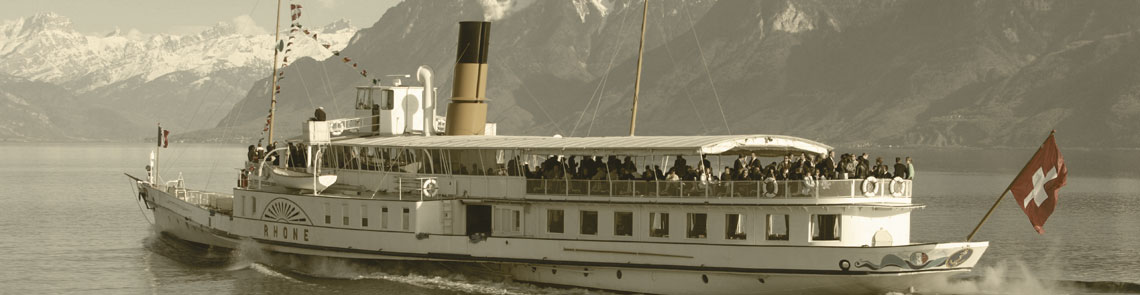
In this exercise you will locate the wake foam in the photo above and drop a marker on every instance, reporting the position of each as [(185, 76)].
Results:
[(1015, 277)]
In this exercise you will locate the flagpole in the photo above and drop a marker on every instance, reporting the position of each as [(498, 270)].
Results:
[(273, 89), (157, 150), (1003, 193)]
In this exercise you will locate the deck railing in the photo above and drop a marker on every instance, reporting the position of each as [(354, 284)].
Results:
[(844, 188)]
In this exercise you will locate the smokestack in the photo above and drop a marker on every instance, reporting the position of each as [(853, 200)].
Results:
[(467, 111)]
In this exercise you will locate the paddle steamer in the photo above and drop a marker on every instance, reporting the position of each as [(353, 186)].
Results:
[(397, 183)]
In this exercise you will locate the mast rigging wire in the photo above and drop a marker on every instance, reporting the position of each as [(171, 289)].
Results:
[(708, 74)]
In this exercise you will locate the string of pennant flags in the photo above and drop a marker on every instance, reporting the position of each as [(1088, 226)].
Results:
[(285, 47)]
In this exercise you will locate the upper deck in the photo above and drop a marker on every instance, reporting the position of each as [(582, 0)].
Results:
[(590, 169)]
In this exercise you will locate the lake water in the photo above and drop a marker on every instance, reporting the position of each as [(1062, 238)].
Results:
[(70, 224)]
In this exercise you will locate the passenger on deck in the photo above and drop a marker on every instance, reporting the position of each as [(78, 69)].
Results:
[(756, 173), (574, 167), (901, 169), (881, 170), (739, 166), (251, 155), (648, 175), (512, 166), (727, 174), (755, 161), (827, 165), (862, 169), (463, 170), (629, 165), (319, 114), (658, 172), (849, 166), (705, 164), (909, 169), (680, 166), (672, 176)]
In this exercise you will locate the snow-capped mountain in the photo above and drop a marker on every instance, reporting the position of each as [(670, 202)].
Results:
[(909, 72), (152, 77)]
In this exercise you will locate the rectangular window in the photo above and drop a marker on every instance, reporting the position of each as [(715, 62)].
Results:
[(777, 227), (253, 207), (364, 99), (387, 100), (588, 222), (516, 221), (344, 213), (555, 221), (659, 225), (243, 204), (384, 217), (407, 222), (623, 223), (697, 226), (734, 227), (328, 217), (825, 227), (508, 220), (363, 216)]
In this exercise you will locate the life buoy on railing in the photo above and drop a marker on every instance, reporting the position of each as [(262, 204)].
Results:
[(809, 185), (770, 192), (897, 187), (429, 188), (870, 186)]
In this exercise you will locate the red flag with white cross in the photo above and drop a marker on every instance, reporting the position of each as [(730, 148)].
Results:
[(1036, 187)]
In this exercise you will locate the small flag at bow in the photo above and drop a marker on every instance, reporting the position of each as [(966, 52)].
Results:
[(1036, 186), (163, 137)]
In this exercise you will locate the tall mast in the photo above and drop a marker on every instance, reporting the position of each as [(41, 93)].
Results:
[(637, 82), (273, 89)]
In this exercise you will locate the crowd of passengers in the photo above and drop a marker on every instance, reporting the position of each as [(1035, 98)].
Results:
[(792, 167)]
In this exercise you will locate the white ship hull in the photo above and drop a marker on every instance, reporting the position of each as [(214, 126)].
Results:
[(656, 268)]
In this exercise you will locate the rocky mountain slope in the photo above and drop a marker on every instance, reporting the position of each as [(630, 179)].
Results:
[(182, 81), (856, 73)]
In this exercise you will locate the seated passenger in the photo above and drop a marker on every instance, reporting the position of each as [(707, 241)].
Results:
[(648, 174)]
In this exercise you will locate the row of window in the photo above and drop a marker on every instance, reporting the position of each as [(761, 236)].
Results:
[(405, 216), (825, 227)]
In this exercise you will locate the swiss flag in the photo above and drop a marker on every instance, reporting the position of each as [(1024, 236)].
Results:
[(1035, 188)]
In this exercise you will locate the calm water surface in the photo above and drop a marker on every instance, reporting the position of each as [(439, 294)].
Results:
[(70, 224)]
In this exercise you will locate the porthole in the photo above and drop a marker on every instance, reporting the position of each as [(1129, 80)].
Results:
[(553, 271), (533, 269), (761, 280), (585, 272), (619, 274), (705, 278)]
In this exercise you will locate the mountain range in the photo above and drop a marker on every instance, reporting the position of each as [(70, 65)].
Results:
[(852, 73), (180, 81)]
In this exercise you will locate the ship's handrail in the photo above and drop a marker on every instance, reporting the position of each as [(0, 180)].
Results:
[(839, 188), (339, 126), (220, 202)]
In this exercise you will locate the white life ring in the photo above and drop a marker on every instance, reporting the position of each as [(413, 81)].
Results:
[(897, 187), (429, 188), (870, 186), (775, 187), (809, 185)]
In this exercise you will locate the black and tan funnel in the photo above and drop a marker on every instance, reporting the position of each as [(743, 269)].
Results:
[(467, 111)]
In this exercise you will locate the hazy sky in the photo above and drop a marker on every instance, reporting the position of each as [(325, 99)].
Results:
[(187, 16)]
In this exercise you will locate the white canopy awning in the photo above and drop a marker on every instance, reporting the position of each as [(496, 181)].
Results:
[(762, 145)]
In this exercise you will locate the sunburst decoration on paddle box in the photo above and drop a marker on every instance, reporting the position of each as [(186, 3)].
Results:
[(284, 210)]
